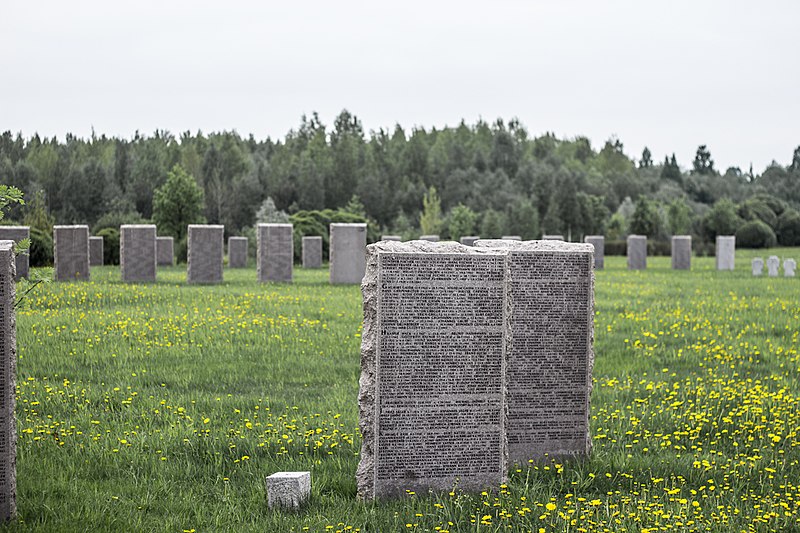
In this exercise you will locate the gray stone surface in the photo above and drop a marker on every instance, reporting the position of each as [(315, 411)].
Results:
[(681, 252), (637, 252), (757, 264), (16, 234), (469, 240), (552, 237), (396, 238), (550, 355), (237, 252), (71, 253), (599, 243), (431, 396), (789, 266), (275, 253), (312, 252), (511, 238), (8, 379), (726, 252), (288, 490), (348, 244), (429, 238), (206, 243), (773, 265), (137, 252), (165, 251), (95, 251)]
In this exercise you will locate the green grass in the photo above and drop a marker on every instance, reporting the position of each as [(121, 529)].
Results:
[(163, 407)]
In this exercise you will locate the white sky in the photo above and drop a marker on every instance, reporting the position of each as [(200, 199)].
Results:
[(667, 74)]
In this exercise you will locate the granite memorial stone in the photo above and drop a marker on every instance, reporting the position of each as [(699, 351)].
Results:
[(469, 240), (511, 238), (288, 490), (347, 248), (275, 257), (726, 252), (637, 252), (396, 238), (312, 252), (552, 237), (681, 252), (8, 379), (71, 253), (237, 252), (789, 266), (206, 250), (165, 251), (95, 251), (16, 234), (137, 252), (429, 238), (599, 243), (773, 265), (757, 264)]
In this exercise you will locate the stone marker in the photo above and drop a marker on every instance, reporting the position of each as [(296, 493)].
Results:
[(165, 251), (288, 490), (773, 265), (8, 379), (347, 249), (137, 252), (637, 252), (431, 396), (511, 238), (599, 243), (275, 253), (681, 252), (552, 237), (396, 238), (757, 265), (71, 253), (312, 252), (469, 240), (429, 238), (95, 251), (237, 252), (550, 293), (16, 234), (206, 243), (789, 267), (726, 252)]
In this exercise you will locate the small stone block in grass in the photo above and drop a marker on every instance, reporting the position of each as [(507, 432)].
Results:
[(289, 490)]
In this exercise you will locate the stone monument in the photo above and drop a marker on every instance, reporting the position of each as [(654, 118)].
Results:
[(206, 243), (599, 243), (165, 251), (773, 265), (288, 490), (511, 238), (757, 265), (237, 252), (8, 380), (137, 252), (16, 234), (726, 252), (71, 253), (429, 238), (95, 251), (552, 237), (681, 252), (789, 266), (469, 240), (275, 254), (312, 252), (637, 252), (347, 249), (396, 238)]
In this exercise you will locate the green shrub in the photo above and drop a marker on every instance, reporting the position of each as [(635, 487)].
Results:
[(312, 223), (755, 234), (41, 252), (789, 228), (110, 245)]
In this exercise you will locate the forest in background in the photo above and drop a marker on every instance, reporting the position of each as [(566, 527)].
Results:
[(487, 179)]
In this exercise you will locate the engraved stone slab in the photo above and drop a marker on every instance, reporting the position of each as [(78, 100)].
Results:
[(347, 252), (237, 252), (599, 243), (16, 234), (681, 252), (275, 254), (469, 240), (726, 252), (8, 379), (95, 251), (312, 252), (206, 243), (511, 238), (637, 252), (773, 265), (552, 237), (550, 291), (431, 398), (789, 267), (165, 251), (71, 253), (757, 265), (396, 238), (288, 490), (429, 238), (137, 252)]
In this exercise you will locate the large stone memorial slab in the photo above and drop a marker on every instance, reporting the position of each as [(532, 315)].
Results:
[(726, 252), (165, 251), (347, 248), (773, 265), (431, 392), (237, 252), (71, 253), (637, 252), (95, 251), (16, 234), (469, 240), (681, 252), (599, 243), (206, 250), (8, 379), (550, 292), (789, 266), (275, 253), (396, 238), (312, 252), (137, 252), (757, 264)]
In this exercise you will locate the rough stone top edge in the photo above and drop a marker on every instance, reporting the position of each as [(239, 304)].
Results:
[(535, 246), (138, 226), (95, 237), (349, 224), (237, 238), (71, 226), (6, 246), (275, 225), (207, 226), (726, 236), (16, 227), (428, 247), (633, 236), (165, 238), (315, 237), (682, 237), (594, 237)]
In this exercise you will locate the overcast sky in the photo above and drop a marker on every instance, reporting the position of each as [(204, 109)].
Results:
[(670, 75)]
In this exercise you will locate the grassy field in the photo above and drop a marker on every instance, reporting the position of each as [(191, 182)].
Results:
[(163, 407)]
